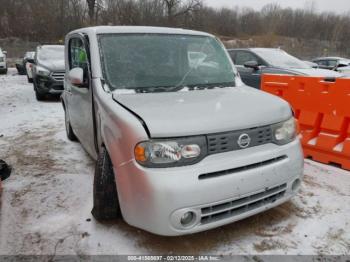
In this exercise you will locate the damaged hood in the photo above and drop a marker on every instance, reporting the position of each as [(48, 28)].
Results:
[(173, 114)]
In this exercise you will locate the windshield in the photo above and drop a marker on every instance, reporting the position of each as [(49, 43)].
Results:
[(51, 53), (29, 55), (161, 62), (280, 58)]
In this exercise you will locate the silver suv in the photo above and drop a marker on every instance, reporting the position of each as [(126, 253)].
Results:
[(181, 144), (48, 70)]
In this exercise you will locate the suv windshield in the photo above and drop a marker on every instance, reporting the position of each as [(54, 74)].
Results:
[(280, 58), (162, 62), (29, 55), (51, 53)]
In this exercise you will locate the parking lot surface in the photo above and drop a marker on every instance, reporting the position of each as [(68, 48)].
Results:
[(46, 203)]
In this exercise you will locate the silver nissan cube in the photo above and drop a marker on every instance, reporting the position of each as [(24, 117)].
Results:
[(181, 145)]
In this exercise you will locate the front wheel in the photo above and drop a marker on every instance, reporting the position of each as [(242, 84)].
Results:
[(39, 96), (69, 130), (106, 203)]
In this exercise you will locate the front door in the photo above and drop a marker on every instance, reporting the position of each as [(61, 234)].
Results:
[(80, 97)]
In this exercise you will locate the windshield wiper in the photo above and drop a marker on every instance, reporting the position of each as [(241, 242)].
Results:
[(157, 89), (211, 85), (160, 89)]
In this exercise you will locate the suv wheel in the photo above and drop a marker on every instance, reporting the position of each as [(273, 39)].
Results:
[(69, 130), (34, 84), (39, 96), (106, 203)]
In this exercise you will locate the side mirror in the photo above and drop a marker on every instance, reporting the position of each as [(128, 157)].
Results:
[(252, 64), (5, 170), (4, 52), (31, 60), (76, 77)]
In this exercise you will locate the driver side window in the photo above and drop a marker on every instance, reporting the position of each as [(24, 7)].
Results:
[(77, 54), (332, 63), (243, 57)]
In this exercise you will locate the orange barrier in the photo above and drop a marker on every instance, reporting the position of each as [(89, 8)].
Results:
[(323, 112)]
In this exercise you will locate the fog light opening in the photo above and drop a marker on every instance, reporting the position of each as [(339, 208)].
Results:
[(296, 185), (187, 219)]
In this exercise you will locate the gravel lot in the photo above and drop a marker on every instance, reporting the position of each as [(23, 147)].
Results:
[(47, 201)]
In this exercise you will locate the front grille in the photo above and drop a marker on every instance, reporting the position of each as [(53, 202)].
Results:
[(58, 76), (242, 168), (239, 206), (224, 142)]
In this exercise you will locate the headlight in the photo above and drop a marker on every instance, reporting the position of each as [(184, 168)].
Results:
[(171, 153), (42, 71), (285, 132)]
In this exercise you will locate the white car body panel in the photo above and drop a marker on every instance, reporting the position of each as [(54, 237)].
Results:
[(345, 71)]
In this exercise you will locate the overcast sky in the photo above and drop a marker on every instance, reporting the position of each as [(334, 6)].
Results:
[(339, 6)]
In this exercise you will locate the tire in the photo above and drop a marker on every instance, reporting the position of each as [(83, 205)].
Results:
[(5, 170), (106, 203), (39, 96), (69, 130)]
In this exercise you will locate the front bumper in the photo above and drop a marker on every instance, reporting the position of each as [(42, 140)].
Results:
[(48, 85), (155, 199)]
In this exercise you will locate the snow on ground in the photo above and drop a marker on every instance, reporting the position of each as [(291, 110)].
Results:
[(47, 201)]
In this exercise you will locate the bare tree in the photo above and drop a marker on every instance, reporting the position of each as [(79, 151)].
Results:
[(175, 8), (51, 20), (91, 5), (94, 8)]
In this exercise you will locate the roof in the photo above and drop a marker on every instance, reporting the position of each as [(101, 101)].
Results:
[(330, 58), (138, 30), (254, 49)]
